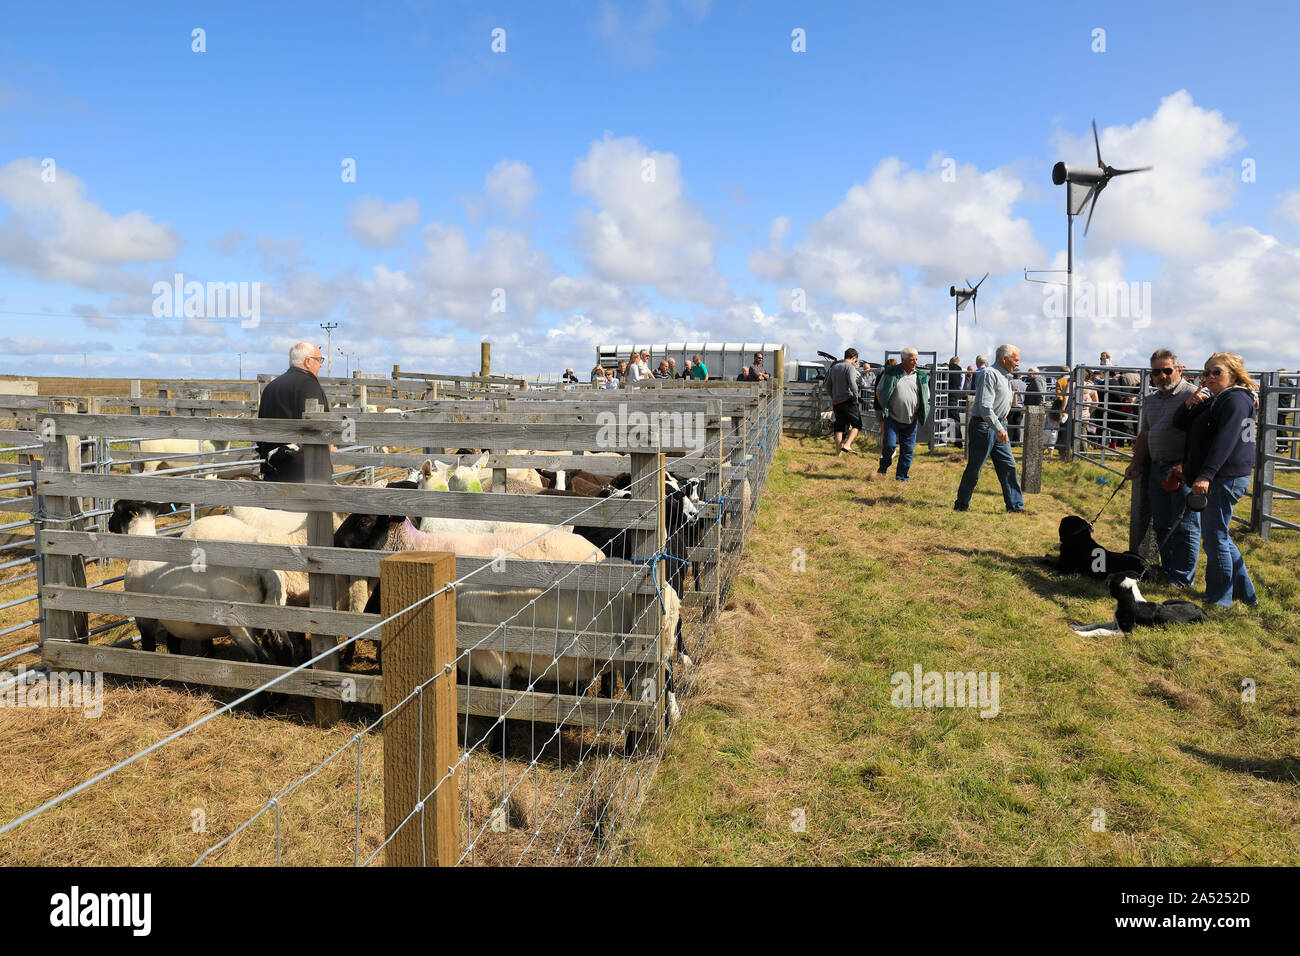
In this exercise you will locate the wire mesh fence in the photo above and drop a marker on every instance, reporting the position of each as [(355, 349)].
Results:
[(562, 694)]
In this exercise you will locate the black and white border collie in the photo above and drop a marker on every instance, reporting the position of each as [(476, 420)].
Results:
[(1081, 554), (1131, 611)]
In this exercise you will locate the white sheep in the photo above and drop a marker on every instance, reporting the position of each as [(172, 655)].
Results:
[(434, 476), (565, 616), (178, 446), (195, 580)]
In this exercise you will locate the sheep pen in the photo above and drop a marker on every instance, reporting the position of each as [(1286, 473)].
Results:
[(561, 791)]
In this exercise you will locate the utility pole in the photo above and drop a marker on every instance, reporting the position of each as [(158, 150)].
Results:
[(329, 328), (347, 361), (241, 364)]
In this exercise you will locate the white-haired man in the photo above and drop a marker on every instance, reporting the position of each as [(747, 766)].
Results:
[(988, 433), (287, 397), (904, 394)]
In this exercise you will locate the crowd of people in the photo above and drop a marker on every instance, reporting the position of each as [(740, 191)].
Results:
[(1107, 404), (1195, 450), (636, 368)]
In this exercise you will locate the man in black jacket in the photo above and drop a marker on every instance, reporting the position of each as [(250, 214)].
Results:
[(287, 397)]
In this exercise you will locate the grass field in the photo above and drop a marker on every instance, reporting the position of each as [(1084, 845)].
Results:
[(794, 717)]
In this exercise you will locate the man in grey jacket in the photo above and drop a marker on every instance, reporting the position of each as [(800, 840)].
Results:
[(988, 433), (844, 382)]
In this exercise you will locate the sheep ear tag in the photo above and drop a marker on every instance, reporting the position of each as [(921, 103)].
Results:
[(481, 462)]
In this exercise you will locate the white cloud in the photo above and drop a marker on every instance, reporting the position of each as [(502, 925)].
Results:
[(899, 218), (30, 345), (645, 230), (380, 225), (228, 244), (461, 280), (510, 186), (53, 232), (1288, 207)]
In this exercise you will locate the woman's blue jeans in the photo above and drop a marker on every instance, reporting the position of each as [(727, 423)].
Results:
[(1226, 577)]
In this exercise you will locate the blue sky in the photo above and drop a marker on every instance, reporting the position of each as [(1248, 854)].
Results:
[(524, 170)]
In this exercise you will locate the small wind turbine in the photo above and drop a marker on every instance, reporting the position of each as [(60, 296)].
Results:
[(968, 293), (1082, 185)]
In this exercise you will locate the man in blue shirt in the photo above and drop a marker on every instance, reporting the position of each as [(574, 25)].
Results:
[(988, 433)]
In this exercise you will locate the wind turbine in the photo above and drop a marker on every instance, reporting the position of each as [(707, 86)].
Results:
[(968, 293), (1083, 186)]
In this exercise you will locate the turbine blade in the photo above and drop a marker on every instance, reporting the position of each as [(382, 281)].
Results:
[(974, 307), (981, 282), (1097, 142), (1092, 208), (1112, 171)]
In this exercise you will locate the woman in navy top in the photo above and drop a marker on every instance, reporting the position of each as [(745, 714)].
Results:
[(1220, 455)]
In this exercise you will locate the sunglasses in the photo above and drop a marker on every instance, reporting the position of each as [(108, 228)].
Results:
[(1161, 371), (1213, 373)]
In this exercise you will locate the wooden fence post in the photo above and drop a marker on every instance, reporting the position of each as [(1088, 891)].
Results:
[(420, 738), (1031, 450), (63, 453), (641, 680), (322, 588)]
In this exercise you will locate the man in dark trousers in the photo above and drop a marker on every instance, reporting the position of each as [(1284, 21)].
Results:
[(844, 382), (287, 397)]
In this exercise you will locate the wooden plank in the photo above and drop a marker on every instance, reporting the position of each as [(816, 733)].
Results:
[(377, 430), (420, 734), (162, 426), (538, 509), (522, 639), (129, 603), (473, 379), (592, 463), (593, 713), (188, 404), (242, 675), (490, 572)]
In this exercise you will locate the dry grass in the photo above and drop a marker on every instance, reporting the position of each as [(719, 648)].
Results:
[(794, 709)]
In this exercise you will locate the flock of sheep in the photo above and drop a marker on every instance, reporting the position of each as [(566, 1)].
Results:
[(562, 613)]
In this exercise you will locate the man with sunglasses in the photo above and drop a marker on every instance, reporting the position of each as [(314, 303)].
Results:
[(1159, 451), (287, 397)]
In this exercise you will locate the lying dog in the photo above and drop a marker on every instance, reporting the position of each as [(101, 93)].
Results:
[(1081, 554), (1132, 611)]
